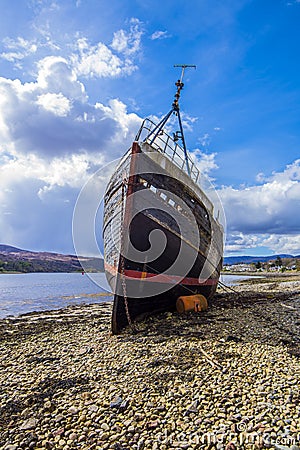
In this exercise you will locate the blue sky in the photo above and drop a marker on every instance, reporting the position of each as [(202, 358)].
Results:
[(76, 77)]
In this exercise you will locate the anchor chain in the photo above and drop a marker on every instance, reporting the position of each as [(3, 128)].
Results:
[(123, 281)]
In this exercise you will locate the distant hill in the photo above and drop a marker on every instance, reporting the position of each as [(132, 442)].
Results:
[(253, 259), (13, 259), (10, 249)]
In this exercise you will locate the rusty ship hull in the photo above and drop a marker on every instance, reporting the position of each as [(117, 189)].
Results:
[(152, 203)]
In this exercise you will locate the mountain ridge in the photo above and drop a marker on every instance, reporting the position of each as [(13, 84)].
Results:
[(19, 260), (247, 259)]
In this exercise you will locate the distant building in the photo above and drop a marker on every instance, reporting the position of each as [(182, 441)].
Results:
[(239, 267)]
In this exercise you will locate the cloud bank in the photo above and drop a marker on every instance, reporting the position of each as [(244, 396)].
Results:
[(53, 138), (266, 214)]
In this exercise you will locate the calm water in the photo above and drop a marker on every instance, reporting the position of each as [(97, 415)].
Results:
[(231, 280), (23, 293)]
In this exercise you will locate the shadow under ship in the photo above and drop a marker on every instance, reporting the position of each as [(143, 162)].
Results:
[(162, 239)]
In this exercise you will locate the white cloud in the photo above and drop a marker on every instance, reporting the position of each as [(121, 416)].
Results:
[(204, 140), (102, 61), (283, 243), (56, 75), (159, 35), (70, 170), (18, 49), (118, 112), (52, 136), (98, 61), (12, 56), (52, 116), (260, 177), (205, 162), (265, 215), (28, 46), (271, 207), (55, 103), (52, 140), (188, 121), (238, 241), (89, 60), (128, 42)]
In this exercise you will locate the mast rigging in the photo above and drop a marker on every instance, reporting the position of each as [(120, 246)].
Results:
[(174, 110)]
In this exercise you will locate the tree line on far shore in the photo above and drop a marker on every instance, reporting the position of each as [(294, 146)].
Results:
[(38, 266)]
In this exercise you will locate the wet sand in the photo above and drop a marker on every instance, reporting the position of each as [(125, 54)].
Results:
[(230, 374)]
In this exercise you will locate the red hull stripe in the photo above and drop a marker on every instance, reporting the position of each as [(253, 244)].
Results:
[(162, 278)]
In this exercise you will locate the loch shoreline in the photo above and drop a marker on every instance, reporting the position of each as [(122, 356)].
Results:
[(230, 374)]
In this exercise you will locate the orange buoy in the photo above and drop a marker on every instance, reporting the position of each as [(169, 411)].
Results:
[(191, 303)]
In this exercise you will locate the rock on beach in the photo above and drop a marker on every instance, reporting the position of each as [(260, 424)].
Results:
[(224, 378)]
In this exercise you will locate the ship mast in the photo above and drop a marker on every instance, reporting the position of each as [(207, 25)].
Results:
[(175, 110)]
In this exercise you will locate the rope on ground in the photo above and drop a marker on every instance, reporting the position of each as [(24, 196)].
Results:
[(229, 288), (209, 359)]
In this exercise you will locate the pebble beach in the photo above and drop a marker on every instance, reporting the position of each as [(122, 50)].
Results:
[(225, 378)]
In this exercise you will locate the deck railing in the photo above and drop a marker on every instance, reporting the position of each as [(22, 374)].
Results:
[(166, 144)]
